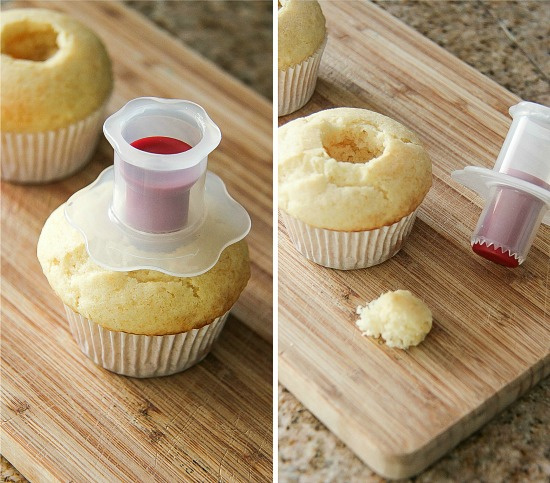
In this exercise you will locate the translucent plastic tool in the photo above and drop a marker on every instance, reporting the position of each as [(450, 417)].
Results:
[(517, 189), (158, 207)]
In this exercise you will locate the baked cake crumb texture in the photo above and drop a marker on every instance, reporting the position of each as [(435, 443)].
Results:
[(399, 317)]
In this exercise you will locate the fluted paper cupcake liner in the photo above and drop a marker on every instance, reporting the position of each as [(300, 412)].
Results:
[(348, 250), (50, 155), (143, 355), (296, 84)]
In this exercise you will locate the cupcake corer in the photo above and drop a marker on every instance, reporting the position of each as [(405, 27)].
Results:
[(517, 189), (158, 207)]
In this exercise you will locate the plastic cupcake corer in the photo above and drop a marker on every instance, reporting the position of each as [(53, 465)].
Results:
[(158, 207), (517, 189)]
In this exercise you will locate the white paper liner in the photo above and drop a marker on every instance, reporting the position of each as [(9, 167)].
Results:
[(348, 250), (296, 84), (143, 355), (49, 155)]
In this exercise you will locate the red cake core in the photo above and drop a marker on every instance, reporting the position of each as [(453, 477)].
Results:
[(495, 255)]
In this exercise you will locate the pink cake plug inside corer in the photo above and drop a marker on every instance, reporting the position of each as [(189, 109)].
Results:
[(160, 163), (517, 189), (158, 207)]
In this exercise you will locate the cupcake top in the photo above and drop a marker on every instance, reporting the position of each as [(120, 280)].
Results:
[(142, 302), (55, 71), (351, 170), (301, 31), (399, 317)]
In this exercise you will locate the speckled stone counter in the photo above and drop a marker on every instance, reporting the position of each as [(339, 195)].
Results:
[(509, 42), (237, 35)]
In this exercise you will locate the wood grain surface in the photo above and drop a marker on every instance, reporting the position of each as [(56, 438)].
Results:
[(401, 410), (65, 419)]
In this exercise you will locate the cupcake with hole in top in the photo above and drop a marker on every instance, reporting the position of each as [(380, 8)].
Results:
[(350, 184), (56, 80)]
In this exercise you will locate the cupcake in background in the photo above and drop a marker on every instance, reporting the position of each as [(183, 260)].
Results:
[(141, 323), (56, 80), (350, 183), (302, 39)]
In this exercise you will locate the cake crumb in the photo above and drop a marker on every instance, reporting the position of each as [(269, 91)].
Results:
[(399, 317)]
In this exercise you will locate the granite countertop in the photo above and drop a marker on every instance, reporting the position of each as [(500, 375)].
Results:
[(237, 35), (508, 42)]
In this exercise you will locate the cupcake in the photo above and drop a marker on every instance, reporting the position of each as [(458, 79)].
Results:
[(302, 39), (56, 80), (350, 183), (141, 323)]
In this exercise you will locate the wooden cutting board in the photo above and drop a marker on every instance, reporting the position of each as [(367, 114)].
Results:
[(65, 419), (401, 410)]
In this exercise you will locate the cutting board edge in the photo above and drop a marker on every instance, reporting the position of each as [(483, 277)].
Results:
[(439, 49), (22, 460), (409, 463)]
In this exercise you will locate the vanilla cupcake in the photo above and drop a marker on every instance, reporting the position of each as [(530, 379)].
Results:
[(302, 39), (350, 183), (56, 79), (141, 323)]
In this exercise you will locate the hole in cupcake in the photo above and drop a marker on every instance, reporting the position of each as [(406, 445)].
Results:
[(355, 144), (29, 41)]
